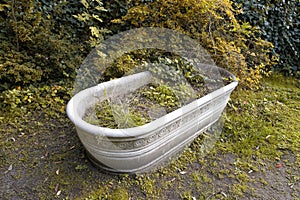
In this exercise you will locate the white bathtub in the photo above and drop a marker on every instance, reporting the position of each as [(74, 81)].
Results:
[(141, 148)]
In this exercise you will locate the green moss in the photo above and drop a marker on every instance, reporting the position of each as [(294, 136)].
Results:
[(120, 194), (239, 189), (263, 182), (186, 195), (261, 123)]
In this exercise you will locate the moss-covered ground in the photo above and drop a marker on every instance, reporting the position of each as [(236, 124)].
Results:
[(256, 157)]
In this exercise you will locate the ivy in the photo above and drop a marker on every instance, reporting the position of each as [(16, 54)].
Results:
[(91, 19), (279, 23)]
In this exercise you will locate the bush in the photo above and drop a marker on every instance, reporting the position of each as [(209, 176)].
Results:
[(279, 23), (33, 48), (91, 20), (212, 23), (23, 100), (87, 20)]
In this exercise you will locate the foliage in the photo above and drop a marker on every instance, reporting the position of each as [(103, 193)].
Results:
[(93, 13), (163, 94), (279, 23), (115, 10), (212, 23), (91, 19), (111, 115), (129, 62), (61, 13), (78, 16), (33, 50), (24, 100)]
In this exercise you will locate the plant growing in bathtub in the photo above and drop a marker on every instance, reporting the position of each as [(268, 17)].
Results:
[(153, 100)]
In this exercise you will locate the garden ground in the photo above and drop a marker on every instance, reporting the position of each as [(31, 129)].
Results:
[(256, 157)]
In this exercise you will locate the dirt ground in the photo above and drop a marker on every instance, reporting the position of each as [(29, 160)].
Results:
[(42, 164)]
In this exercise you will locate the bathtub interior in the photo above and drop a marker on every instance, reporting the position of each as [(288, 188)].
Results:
[(121, 87)]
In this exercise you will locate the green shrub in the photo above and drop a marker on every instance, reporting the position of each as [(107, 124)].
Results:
[(16, 67), (279, 23), (115, 9), (61, 12), (91, 19), (33, 49), (212, 23), (23, 100)]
